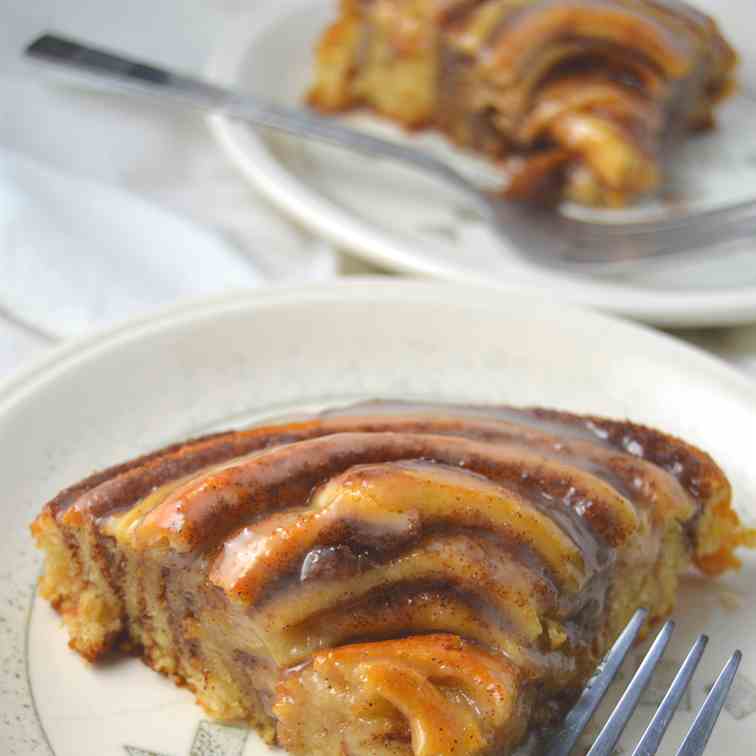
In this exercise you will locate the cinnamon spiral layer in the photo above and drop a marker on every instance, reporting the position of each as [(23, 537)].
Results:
[(391, 578), (577, 96)]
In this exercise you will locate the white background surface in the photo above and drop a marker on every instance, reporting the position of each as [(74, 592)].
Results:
[(165, 157)]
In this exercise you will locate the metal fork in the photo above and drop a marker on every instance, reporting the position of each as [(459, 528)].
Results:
[(538, 233), (563, 740)]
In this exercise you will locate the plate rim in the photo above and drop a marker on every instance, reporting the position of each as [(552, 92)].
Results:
[(366, 240), (59, 357)]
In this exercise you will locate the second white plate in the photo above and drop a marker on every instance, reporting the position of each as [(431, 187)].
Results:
[(403, 221)]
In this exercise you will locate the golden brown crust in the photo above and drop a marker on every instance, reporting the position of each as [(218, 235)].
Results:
[(415, 678), (447, 542), (120, 485)]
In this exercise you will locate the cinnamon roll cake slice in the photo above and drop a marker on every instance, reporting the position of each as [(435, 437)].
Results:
[(387, 579), (576, 98)]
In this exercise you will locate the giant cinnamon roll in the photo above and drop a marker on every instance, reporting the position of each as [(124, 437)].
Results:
[(387, 579), (577, 98)]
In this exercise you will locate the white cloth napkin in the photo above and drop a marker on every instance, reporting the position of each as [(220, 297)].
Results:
[(111, 206), (76, 254)]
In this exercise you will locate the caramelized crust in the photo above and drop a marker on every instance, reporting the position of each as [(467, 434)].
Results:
[(414, 580), (453, 699), (577, 96)]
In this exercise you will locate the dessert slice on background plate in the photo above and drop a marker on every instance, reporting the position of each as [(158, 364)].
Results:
[(579, 99), (388, 578)]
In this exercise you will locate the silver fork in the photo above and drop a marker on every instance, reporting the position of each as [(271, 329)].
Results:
[(538, 233), (563, 740)]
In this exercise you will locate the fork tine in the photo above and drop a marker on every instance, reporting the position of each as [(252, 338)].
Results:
[(648, 745), (700, 731), (565, 738), (610, 733)]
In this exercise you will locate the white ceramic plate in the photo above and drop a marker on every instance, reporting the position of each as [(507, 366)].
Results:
[(406, 222), (228, 361)]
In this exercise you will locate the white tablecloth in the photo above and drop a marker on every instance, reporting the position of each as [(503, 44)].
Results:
[(165, 157)]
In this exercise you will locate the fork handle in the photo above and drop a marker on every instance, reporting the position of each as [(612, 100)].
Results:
[(124, 74)]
